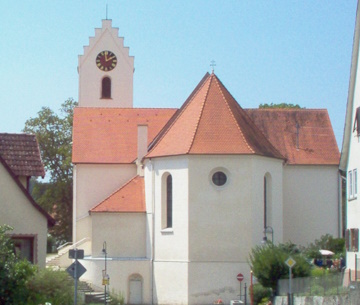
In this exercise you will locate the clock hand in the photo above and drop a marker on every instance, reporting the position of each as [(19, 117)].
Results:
[(110, 58)]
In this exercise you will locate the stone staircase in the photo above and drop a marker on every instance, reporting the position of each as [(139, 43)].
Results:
[(60, 258)]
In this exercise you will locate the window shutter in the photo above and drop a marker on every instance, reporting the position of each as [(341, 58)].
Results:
[(356, 240), (347, 239)]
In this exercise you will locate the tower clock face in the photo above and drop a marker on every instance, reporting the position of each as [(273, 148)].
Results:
[(106, 61)]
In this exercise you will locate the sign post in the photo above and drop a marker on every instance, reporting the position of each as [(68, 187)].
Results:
[(290, 262), (240, 278), (76, 269)]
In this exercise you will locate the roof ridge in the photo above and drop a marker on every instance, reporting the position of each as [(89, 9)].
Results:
[(178, 113), (201, 112), (116, 191), (232, 115)]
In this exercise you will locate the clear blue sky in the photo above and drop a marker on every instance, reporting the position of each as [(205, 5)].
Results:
[(265, 51)]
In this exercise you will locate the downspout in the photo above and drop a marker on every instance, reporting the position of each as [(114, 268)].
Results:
[(74, 205), (153, 228)]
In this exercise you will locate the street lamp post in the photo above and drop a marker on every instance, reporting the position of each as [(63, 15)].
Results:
[(267, 230), (104, 250)]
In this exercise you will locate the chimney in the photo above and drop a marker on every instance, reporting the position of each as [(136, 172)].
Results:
[(142, 144)]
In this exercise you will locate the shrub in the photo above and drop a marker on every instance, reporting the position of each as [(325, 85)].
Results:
[(14, 272), (260, 293), (53, 286), (268, 264)]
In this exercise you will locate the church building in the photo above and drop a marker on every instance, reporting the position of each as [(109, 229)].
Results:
[(176, 198)]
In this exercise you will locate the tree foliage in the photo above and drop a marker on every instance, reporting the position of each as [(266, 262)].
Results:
[(51, 286), (326, 242), (268, 264), (14, 272), (54, 134), (280, 105)]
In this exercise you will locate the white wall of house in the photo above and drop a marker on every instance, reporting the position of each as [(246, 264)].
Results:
[(212, 226), (92, 184), (19, 213), (124, 233), (311, 207), (353, 208), (121, 272)]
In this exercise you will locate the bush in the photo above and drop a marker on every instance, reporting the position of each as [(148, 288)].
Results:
[(260, 293), (268, 264), (14, 272), (53, 286)]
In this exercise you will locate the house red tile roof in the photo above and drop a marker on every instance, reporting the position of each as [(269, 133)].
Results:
[(212, 122), (21, 153), (130, 198), (109, 135), (303, 136)]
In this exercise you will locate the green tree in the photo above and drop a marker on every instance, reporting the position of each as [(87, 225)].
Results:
[(54, 134), (14, 272), (281, 105), (326, 242), (267, 263)]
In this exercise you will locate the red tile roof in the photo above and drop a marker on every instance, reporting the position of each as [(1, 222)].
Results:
[(315, 138), (130, 198), (21, 152), (109, 135), (212, 122)]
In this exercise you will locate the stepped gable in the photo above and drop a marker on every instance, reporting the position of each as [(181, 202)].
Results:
[(312, 142), (109, 135), (211, 122), (21, 153), (130, 198)]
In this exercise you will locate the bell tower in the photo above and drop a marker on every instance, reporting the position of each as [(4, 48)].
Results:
[(106, 70)]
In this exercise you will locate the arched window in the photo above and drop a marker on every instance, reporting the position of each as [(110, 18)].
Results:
[(106, 87), (267, 200), (167, 202)]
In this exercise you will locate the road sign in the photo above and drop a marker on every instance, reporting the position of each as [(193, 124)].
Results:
[(76, 253), (290, 262), (240, 277), (79, 272)]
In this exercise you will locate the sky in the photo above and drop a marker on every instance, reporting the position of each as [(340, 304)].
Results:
[(265, 51)]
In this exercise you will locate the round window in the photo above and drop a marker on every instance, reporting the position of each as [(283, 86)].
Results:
[(219, 178)]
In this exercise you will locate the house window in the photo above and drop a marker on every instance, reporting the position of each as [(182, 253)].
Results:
[(219, 178), (357, 122), (267, 201), (106, 87), (167, 202), (352, 184), (24, 247), (352, 240)]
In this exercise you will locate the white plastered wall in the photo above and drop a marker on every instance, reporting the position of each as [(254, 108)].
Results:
[(311, 207), (19, 213), (124, 233), (94, 183), (353, 208), (226, 222), (213, 228)]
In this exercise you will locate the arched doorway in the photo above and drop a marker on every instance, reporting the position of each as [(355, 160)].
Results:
[(135, 289)]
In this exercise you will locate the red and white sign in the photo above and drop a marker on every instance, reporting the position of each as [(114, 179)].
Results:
[(240, 277)]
